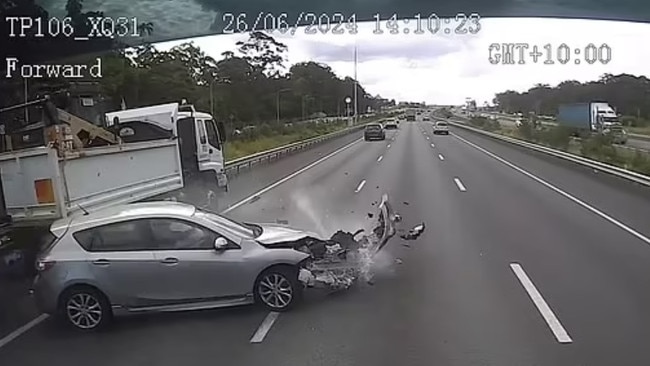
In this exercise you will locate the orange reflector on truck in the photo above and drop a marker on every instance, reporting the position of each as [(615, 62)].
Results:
[(44, 190)]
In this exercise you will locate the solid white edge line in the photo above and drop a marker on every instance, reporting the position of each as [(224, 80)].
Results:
[(18, 332), (561, 192), (360, 186), (264, 328), (441, 157), (379, 158), (460, 185), (290, 176), (556, 327)]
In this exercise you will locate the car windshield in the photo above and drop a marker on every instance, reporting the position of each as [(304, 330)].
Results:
[(441, 124), (243, 229)]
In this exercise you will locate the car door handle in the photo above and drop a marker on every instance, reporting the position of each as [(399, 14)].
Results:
[(169, 260), (101, 262)]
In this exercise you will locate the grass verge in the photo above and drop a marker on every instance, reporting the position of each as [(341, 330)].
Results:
[(599, 148), (270, 138)]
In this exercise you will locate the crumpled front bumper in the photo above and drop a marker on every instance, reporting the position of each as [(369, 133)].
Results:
[(345, 263)]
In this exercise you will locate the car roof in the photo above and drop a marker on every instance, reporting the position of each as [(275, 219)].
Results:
[(373, 125), (126, 212)]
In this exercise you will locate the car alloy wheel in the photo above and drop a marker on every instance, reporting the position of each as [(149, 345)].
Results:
[(85, 309), (277, 290)]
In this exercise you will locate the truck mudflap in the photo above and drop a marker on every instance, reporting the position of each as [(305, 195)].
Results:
[(336, 264)]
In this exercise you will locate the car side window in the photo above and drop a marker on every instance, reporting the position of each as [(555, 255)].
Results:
[(174, 234), (124, 236)]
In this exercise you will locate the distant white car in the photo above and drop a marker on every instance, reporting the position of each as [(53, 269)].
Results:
[(441, 128)]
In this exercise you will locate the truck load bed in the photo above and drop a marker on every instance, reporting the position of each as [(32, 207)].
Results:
[(577, 115), (40, 186)]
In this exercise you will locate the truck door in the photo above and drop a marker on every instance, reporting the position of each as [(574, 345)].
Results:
[(202, 147), (212, 152)]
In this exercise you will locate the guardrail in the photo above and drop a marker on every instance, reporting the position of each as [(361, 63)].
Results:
[(248, 161), (603, 167)]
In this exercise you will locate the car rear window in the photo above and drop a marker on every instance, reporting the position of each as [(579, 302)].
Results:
[(373, 127)]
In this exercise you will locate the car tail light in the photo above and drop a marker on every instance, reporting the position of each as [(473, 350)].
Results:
[(44, 265)]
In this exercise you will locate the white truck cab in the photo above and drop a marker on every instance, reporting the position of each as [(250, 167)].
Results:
[(200, 137)]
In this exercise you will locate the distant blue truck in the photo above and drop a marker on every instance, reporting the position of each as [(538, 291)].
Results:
[(586, 119)]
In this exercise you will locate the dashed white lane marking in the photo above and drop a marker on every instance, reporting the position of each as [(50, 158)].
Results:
[(460, 185), (360, 186), (427, 137), (290, 176), (18, 332), (550, 318), (561, 192), (264, 328), (388, 147), (441, 157), (432, 145), (379, 158)]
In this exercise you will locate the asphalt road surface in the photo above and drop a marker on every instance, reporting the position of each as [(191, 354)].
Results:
[(525, 261)]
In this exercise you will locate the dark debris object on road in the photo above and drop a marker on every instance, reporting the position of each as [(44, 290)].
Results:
[(413, 233)]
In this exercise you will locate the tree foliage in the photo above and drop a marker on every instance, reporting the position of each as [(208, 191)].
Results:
[(629, 94), (244, 87)]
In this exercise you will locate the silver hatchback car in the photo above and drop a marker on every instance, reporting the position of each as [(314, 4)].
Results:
[(169, 256), (162, 256)]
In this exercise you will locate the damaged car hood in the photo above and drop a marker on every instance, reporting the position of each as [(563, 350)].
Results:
[(278, 234)]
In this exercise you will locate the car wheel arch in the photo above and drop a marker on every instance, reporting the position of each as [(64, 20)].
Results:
[(81, 285)]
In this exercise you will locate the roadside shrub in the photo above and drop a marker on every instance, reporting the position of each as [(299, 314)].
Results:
[(527, 132), (556, 137), (265, 130), (640, 162)]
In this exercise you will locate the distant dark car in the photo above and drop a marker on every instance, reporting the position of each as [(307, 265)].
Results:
[(374, 131)]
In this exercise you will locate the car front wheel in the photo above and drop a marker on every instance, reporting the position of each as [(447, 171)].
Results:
[(278, 289), (85, 308)]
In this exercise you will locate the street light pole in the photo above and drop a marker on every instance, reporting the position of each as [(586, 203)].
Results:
[(356, 103), (277, 103)]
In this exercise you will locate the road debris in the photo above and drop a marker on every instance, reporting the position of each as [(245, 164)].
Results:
[(370, 215), (254, 199), (282, 222), (347, 257), (413, 233)]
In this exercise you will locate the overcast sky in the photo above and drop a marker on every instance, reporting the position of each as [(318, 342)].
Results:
[(445, 69)]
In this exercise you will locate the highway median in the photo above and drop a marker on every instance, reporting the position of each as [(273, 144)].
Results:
[(598, 148)]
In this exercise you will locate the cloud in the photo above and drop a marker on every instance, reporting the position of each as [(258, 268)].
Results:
[(446, 69)]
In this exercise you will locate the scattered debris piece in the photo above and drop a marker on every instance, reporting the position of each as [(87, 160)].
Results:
[(377, 187), (346, 173), (282, 222), (370, 215), (254, 199), (413, 233), (406, 203), (398, 261), (397, 218)]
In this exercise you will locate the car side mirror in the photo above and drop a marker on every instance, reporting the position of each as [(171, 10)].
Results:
[(220, 244)]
